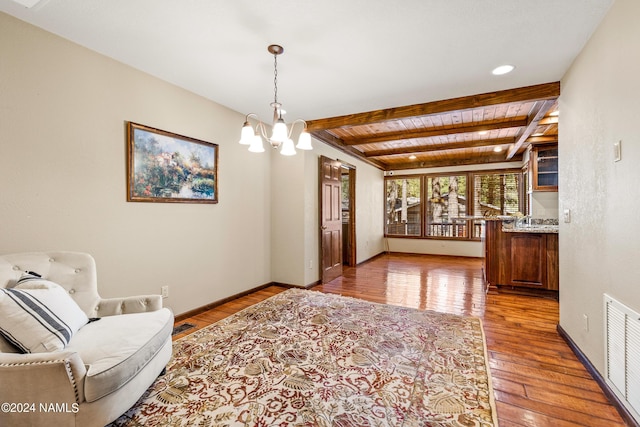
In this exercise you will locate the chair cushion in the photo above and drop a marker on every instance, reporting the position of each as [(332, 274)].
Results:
[(115, 348), (38, 315)]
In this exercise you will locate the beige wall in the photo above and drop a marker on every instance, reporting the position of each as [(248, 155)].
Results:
[(599, 249), (295, 211), (544, 204), (287, 214), (369, 208), (63, 111)]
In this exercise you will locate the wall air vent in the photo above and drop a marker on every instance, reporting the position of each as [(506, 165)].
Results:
[(622, 351)]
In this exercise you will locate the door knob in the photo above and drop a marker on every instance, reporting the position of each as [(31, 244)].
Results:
[(324, 227)]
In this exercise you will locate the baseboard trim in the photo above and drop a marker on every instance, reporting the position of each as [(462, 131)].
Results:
[(371, 259), (215, 304), (434, 255), (288, 285), (615, 401)]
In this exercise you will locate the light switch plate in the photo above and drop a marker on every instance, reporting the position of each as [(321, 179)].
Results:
[(567, 215), (617, 151)]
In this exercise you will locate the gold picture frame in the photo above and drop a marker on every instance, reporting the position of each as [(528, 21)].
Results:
[(169, 168)]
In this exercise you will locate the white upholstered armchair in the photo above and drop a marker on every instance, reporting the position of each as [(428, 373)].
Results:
[(92, 373)]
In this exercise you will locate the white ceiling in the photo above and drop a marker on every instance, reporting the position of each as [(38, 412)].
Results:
[(341, 56)]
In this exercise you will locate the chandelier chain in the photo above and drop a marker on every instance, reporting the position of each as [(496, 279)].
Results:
[(275, 78)]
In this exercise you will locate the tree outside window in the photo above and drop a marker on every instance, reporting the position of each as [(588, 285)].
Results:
[(450, 206), (403, 206), (497, 194), (447, 206)]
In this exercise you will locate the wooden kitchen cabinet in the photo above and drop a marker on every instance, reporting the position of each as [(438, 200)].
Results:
[(553, 273), (523, 260), (493, 243), (528, 259), (544, 168)]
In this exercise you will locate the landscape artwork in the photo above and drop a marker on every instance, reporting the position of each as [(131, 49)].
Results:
[(166, 167)]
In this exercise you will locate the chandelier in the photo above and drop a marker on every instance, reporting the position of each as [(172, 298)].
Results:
[(280, 134)]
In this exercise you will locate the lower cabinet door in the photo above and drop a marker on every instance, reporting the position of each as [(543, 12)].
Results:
[(528, 260)]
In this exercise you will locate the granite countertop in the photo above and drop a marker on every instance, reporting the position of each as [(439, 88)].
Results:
[(533, 229), (535, 225)]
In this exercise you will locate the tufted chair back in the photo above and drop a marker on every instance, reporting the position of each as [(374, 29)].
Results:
[(74, 271)]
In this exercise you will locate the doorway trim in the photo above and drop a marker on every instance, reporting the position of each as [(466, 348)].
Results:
[(351, 238)]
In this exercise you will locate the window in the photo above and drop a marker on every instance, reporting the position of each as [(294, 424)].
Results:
[(450, 206), (403, 207), (497, 193), (447, 206)]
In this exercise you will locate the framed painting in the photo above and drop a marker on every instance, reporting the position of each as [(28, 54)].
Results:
[(167, 167)]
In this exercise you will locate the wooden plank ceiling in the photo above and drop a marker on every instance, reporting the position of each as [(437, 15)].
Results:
[(486, 128)]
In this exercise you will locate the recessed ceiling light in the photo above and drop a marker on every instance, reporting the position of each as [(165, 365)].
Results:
[(538, 134), (412, 157), (483, 132), (27, 3), (503, 69), (497, 149), (554, 113)]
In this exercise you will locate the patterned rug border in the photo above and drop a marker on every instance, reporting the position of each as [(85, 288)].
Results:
[(489, 381), (346, 297)]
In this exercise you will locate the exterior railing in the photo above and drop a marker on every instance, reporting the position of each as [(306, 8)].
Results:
[(404, 229), (458, 228)]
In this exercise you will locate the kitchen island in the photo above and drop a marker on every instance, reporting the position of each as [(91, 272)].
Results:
[(521, 256)]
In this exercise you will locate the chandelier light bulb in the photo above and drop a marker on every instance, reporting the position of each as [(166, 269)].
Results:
[(304, 141), (247, 134), (279, 132), (256, 144), (287, 148)]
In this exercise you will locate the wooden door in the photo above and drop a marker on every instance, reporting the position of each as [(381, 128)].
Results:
[(330, 218)]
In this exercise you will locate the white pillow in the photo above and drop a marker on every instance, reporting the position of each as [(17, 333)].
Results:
[(38, 315)]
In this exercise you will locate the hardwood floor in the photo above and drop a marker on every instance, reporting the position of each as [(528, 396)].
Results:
[(537, 379)]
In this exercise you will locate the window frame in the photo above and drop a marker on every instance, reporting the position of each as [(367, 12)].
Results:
[(422, 205), (468, 222), (472, 217)]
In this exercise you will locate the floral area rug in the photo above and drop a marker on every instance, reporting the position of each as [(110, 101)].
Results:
[(305, 358)]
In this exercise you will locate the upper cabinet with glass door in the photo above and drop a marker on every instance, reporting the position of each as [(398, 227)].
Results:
[(544, 168)]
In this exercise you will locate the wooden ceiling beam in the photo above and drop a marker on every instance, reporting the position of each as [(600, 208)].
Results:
[(439, 131), (439, 147), (499, 158), (534, 119), (529, 93), (548, 121), (545, 139), (336, 143)]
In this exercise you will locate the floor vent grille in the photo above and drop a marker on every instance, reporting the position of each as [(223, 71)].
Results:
[(181, 328)]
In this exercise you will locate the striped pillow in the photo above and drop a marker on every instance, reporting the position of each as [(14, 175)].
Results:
[(38, 315)]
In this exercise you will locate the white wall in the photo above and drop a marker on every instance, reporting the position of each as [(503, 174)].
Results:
[(544, 204), (369, 208), (63, 114), (63, 110), (288, 218), (435, 247), (599, 249), (295, 213)]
